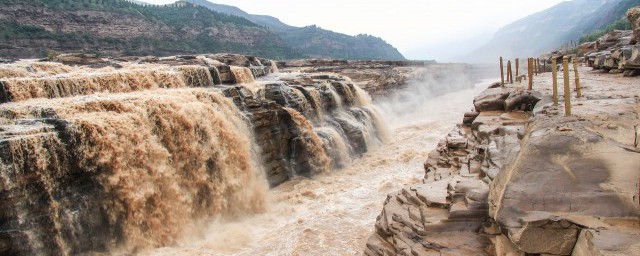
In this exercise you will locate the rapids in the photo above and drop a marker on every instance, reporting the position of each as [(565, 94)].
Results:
[(334, 213)]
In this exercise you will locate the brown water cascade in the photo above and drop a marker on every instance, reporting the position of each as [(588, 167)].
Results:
[(151, 166), (135, 156)]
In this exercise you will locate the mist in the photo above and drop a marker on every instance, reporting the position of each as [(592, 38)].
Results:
[(435, 96)]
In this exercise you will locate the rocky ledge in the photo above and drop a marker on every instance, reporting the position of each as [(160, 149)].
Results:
[(519, 178), (378, 77), (618, 51)]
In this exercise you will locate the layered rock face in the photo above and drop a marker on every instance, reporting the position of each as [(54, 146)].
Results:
[(508, 183), (613, 53), (125, 154), (340, 113), (448, 214), (618, 51)]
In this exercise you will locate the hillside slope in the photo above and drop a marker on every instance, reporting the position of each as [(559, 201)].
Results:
[(115, 27), (315, 42), (548, 29)]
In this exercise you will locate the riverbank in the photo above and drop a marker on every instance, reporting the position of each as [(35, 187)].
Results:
[(513, 182)]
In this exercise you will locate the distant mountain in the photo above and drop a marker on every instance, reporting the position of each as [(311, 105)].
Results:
[(315, 42), (31, 28), (551, 28)]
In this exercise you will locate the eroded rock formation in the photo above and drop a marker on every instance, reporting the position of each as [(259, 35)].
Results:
[(448, 214), (618, 51), (525, 183)]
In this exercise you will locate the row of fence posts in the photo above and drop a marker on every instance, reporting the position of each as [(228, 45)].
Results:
[(535, 67)]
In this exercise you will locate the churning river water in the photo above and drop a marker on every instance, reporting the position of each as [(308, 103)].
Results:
[(334, 213)]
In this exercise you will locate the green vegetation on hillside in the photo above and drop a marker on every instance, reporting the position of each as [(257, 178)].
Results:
[(320, 43), (190, 25), (621, 24)]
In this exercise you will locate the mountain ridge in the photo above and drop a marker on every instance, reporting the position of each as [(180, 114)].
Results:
[(316, 42), (117, 28), (549, 29)]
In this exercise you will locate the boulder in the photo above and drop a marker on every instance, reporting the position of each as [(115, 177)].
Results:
[(492, 99), (469, 117), (606, 242), (495, 85), (572, 171), (522, 100)]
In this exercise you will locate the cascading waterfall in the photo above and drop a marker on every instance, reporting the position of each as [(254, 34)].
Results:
[(316, 101), (334, 143), (104, 80), (120, 160), (242, 75), (342, 115), (308, 145), (160, 162)]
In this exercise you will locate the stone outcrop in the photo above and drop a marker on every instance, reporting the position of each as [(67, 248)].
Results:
[(448, 214), (633, 15), (504, 183), (617, 51)]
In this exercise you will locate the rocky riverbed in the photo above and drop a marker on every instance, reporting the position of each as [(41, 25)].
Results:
[(514, 182)]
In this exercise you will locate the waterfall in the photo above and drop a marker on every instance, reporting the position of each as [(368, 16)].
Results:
[(334, 143), (124, 159), (242, 75), (196, 76), (308, 148), (105, 80), (152, 166)]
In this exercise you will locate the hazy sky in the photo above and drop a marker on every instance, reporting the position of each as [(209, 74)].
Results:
[(427, 29)]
